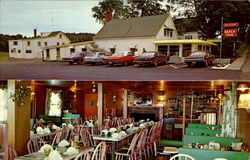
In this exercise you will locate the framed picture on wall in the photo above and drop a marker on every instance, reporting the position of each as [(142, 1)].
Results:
[(143, 99)]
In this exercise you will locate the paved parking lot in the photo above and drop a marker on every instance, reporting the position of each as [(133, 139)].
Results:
[(59, 70)]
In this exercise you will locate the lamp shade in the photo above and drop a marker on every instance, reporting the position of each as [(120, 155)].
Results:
[(242, 87)]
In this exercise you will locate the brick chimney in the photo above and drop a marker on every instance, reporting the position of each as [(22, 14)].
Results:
[(35, 32), (108, 16)]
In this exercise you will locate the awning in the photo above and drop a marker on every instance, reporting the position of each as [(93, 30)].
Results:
[(184, 41)]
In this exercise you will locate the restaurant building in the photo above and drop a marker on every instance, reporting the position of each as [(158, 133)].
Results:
[(202, 119), (138, 34)]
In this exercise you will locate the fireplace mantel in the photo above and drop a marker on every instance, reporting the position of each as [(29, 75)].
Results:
[(156, 110)]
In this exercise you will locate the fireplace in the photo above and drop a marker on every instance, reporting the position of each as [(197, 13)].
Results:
[(143, 112)]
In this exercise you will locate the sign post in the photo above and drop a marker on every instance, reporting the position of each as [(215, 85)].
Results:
[(221, 32)]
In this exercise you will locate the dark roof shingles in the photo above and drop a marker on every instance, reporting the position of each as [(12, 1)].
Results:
[(132, 27)]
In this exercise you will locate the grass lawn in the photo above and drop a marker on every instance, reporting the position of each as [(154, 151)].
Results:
[(4, 54)]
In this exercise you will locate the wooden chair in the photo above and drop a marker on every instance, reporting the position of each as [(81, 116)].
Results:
[(83, 156), (86, 138), (99, 152), (129, 153), (182, 156), (57, 138), (11, 153), (34, 144)]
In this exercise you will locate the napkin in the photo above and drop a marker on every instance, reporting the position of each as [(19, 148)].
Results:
[(45, 146), (123, 133), (46, 130), (142, 126), (105, 131), (116, 135), (63, 143), (54, 155), (112, 130), (71, 150), (70, 126), (39, 130), (55, 127)]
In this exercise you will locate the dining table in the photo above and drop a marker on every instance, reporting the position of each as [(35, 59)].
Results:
[(116, 140), (41, 156)]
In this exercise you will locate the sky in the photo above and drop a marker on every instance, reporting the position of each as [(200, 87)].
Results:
[(22, 16)]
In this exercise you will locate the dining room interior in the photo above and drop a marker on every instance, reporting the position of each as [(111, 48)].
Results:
[(110, 120)]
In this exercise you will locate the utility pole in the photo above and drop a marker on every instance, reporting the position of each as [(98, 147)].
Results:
[(221, 33)]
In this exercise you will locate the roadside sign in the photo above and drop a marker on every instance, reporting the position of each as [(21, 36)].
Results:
[(231, 25), (230, 33)]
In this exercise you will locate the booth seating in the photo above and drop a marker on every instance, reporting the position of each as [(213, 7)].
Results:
[(213, 154), (202, 132), (203, 126)]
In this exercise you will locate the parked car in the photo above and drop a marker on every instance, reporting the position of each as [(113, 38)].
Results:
[(74, 58), (122, 58), (151, 58), (199, 57), (96, 57)]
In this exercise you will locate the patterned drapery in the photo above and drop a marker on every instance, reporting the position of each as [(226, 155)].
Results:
[(229, 113)]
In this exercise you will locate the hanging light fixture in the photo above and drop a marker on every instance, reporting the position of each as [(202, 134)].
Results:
[(242, 87), (93, 87)]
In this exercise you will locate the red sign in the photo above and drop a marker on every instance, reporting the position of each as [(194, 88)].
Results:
[(230, 33), (231, 25)]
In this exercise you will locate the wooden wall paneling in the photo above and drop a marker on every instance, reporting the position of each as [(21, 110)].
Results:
[(243, 125)]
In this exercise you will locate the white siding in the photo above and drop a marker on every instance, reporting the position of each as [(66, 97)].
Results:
[(169, 23), (36, 50), (123, 44)]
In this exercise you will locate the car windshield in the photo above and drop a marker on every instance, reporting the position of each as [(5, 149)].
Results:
[(195, 54), (148, 54), (120, 54), (90, 55)]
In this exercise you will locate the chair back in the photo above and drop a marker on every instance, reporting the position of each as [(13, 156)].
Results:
[(11, 153), (83, 156), (65, 134), (86, 138), (34, 144), (57, 138), (182, 156), (99, 152), (132, 144)]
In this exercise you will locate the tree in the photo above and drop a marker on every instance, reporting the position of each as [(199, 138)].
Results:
[(132, 8), (116, 7)]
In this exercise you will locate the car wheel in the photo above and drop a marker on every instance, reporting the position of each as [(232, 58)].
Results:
[(93, 63), (155, 64), (125, 63), (189, 64), (70, 63), (111, 64), (79, 62)]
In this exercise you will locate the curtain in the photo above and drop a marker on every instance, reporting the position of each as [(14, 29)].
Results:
[(3, 104), (53, 102), (229, 113)]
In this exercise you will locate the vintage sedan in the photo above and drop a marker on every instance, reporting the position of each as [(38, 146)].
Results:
[(96, 57), (199, 57), (74, 58), (151, 58), (121, 58)]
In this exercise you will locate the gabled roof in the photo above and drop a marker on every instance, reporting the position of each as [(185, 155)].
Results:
[(52, 34), (132, 27)]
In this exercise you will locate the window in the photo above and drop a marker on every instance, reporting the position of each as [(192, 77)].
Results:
[(53, 102), (15, 43), (189, 37), (39, 43), (84, 49), (3, 104), (60, 36), (72, 50), (12, 51), (45, 43), (199, 47), (168, 32), (186, 50), (28, 43), (19, 51), (28, 51), (63, 43), (58, 43)]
